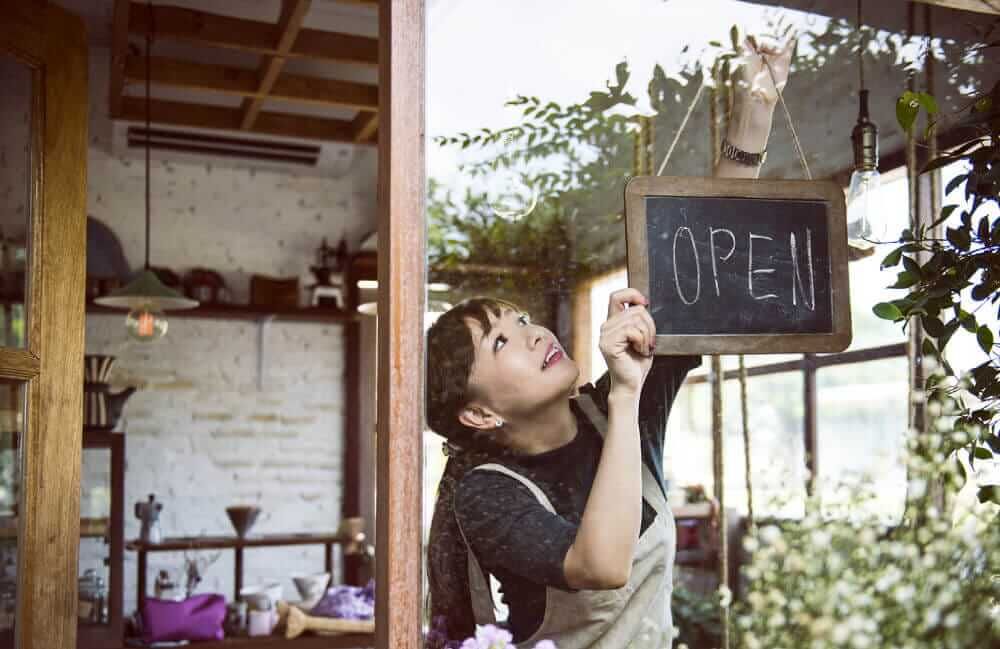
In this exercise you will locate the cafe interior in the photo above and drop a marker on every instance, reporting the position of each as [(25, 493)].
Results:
[(258, 184)]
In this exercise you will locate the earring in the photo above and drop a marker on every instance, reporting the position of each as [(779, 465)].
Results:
[(499, 423)]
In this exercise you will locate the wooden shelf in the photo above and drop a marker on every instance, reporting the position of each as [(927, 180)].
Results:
[(339, 641), (178, 543), (248, 312)]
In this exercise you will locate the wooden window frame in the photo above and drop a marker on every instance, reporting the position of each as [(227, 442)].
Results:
[(402, 262)]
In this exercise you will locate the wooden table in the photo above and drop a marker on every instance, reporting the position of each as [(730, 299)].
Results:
[(238, 545)]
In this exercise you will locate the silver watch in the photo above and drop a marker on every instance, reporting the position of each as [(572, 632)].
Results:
[(731, 152)]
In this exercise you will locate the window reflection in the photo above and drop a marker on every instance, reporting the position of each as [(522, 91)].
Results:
[(529, 150)]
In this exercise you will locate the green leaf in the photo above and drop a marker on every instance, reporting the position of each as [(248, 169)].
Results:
[(928, 102), (954, 183), (887, 311), (983, 453), (912, 266), (905, 279), (990, 493), (985, 338), (892, 258), (961, 469), (933, 326), (907, 108), (734, 36), (959, 237), (927, 347)]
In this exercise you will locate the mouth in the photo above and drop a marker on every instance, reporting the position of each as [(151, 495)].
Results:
[(552, 356)]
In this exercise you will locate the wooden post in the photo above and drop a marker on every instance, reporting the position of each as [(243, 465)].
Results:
[(401, 278)]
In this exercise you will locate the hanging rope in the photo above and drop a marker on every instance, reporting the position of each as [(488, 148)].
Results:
[(745, 416), (680, 129), (788, 118)]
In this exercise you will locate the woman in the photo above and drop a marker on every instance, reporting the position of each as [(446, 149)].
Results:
[(559, 493)]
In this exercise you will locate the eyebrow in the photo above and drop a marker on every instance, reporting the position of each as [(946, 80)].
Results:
[(503, 312)]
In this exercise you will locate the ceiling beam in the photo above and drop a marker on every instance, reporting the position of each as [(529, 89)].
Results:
[(978, 6), (364, 127), (172, 113), (119, 51), (293, 14), (213, 30), (203, 77)]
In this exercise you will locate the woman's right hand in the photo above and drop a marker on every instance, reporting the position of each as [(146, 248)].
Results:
[(628, 339)]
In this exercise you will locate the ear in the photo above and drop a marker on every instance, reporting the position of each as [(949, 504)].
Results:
[(478, 417)]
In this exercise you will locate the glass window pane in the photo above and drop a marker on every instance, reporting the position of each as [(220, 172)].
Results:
[(777, 452), (861, 422), (15, 197), (12, 405), (95, 530)]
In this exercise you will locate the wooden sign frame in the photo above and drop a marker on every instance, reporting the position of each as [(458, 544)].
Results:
[(641, 187)]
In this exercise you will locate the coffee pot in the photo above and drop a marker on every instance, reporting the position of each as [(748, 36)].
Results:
[(149, 513)]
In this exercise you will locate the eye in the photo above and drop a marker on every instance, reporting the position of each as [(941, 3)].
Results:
[(499, 342), (524, 319)]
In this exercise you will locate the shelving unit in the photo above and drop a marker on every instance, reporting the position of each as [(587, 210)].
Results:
[(238, 545)]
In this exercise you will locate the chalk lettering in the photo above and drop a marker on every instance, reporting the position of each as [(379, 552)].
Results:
[(711, 245), (797, 277), (697, 267), (753, 270)]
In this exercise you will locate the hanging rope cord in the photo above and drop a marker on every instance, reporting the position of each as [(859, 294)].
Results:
[(784, 108)]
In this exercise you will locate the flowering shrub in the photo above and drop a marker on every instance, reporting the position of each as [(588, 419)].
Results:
[(931, 581)]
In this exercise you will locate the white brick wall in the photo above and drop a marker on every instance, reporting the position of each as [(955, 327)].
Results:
[(201, 435)]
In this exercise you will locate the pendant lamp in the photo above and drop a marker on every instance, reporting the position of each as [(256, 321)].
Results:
[(866, 225), (146, 296)]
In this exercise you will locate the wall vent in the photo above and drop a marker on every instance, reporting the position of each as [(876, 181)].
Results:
[(229, 147)]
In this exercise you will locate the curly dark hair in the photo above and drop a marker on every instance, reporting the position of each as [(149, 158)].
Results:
[(450, 355)]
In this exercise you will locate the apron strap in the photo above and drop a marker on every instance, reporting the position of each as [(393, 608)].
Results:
[(483, 606)]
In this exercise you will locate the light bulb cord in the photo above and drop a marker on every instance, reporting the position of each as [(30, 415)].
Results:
[(149, 45), (861, 50)]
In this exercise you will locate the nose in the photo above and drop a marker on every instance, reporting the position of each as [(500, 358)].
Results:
[(534, 338)]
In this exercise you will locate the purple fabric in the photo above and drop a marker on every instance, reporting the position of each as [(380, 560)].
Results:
[(347, 602), (198, 617)]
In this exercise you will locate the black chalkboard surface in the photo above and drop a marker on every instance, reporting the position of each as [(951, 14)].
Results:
[(740, 266)]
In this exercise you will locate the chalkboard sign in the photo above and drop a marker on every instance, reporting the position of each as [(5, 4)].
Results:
[(740, 266)]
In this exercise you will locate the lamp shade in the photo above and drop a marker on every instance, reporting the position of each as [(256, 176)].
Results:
[(146, 290)]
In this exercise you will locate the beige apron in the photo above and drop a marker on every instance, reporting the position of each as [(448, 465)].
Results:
[(635, 616)]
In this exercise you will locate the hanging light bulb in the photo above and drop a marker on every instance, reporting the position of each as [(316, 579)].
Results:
[(866, 223), (146, 324), (146, 296)]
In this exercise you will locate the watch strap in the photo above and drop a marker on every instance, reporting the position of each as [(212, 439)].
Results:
[(734, 153)]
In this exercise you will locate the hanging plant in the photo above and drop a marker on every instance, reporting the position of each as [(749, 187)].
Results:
[(952, 282)]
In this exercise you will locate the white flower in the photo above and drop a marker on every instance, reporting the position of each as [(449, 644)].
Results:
[(840, 634), (904, 593), (932, 617), (952, 619), (725, 596), (820, 538), (770, 534)]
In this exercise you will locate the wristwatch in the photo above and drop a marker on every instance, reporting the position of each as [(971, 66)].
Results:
[(730, 152)]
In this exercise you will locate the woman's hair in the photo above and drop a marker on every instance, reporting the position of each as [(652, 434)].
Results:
[(450, 354)]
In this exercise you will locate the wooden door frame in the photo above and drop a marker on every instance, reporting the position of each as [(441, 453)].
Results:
[(401, 272), (53, 43)]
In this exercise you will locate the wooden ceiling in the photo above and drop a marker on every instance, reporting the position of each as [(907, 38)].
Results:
[(273, 43)]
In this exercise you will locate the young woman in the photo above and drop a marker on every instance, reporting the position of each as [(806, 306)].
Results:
[(558, 492)]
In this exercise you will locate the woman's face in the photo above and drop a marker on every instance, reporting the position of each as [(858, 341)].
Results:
[(519, 366)]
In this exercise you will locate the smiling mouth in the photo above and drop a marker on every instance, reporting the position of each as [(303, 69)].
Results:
[(552, 356)]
